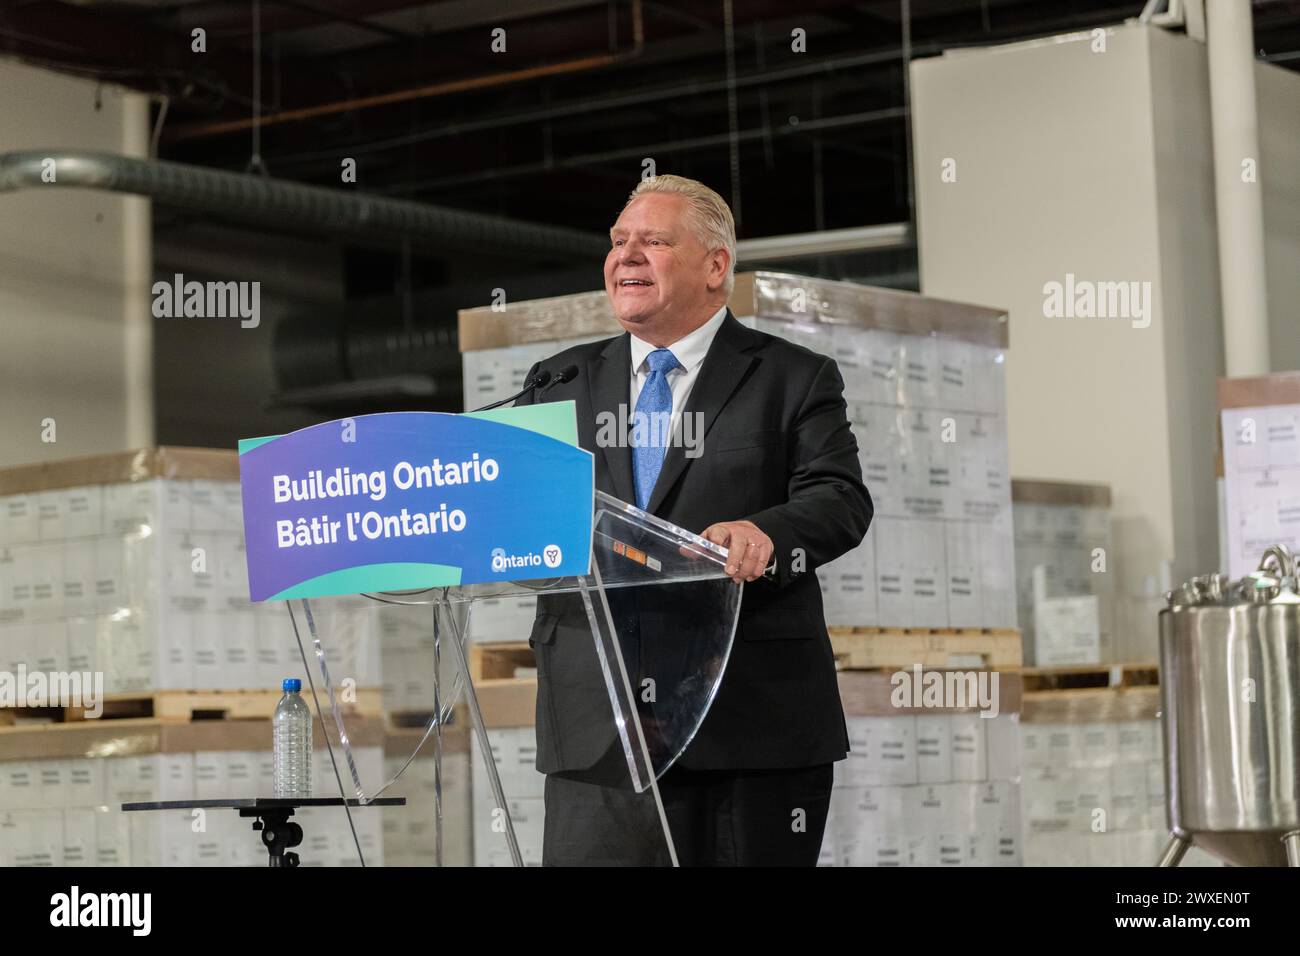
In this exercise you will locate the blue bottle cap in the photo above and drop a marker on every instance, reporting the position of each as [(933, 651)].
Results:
[(291, 684)]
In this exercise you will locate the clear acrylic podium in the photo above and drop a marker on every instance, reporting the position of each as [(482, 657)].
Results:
[(630, 657)]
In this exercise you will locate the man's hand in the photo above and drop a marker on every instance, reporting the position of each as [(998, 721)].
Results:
[(749, 550)]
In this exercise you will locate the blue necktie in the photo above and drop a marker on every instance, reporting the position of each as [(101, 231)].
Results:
[(650, 424)]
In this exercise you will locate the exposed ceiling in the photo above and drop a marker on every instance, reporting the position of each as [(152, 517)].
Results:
[(556, 127)]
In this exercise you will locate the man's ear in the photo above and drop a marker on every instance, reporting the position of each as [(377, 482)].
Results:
[(719, 265)]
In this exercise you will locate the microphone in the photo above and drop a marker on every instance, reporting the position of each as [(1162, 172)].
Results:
[(567, 374), (537, 381)]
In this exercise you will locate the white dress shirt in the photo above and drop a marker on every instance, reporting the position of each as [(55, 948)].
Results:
[(689, 351)]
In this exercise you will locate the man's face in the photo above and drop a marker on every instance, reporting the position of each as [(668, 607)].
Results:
[(657, 274)]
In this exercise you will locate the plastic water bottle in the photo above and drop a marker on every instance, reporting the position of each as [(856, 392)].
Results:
[(292, 727)]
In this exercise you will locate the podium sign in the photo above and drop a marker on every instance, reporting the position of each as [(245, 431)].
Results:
[(410, 500)]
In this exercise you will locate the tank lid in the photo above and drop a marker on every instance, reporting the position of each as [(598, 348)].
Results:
[(1274, 580)]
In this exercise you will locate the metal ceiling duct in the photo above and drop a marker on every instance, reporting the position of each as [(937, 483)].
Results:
[(294, 206)]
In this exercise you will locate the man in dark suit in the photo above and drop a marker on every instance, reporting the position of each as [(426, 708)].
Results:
[(776, 482)]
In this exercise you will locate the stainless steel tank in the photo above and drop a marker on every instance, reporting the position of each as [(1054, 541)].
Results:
[(1230, 685)]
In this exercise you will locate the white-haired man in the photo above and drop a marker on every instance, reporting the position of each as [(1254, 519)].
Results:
[(777, 482)]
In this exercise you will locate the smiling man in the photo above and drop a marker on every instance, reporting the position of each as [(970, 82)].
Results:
[(776, 482)]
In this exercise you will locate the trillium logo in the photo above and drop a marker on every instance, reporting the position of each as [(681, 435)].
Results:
[(551, 555)]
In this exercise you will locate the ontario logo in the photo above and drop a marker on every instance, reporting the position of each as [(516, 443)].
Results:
[(551, 557)]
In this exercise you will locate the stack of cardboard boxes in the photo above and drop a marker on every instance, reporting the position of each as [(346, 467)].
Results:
[(1065, 529), (132, 565), (1094, 780), (62, 786), (925, 786), (410, 832), (515, 751)]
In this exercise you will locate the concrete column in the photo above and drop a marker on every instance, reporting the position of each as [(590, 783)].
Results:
[(1237, 195)]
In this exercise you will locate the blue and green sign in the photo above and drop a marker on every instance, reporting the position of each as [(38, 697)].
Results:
[(412, 500)]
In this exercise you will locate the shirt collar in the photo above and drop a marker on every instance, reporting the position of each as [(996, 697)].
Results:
[(689, 350)]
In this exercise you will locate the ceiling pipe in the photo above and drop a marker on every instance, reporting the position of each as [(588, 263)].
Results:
[(1238, 204), (805, 245), (293, 206)]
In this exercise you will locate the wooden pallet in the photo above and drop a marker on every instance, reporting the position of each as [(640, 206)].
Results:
[(417, 718), (858, 648), (875, 648), (1091, 676), (506, 700), (1091, 704), (500, 660), (189, 705), (876, 693), (402, 741)]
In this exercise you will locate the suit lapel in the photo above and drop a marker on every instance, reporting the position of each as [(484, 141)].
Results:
[(609, 378), (724, 367)]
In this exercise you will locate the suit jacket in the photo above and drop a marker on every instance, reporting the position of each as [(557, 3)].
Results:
[(778, 451)]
